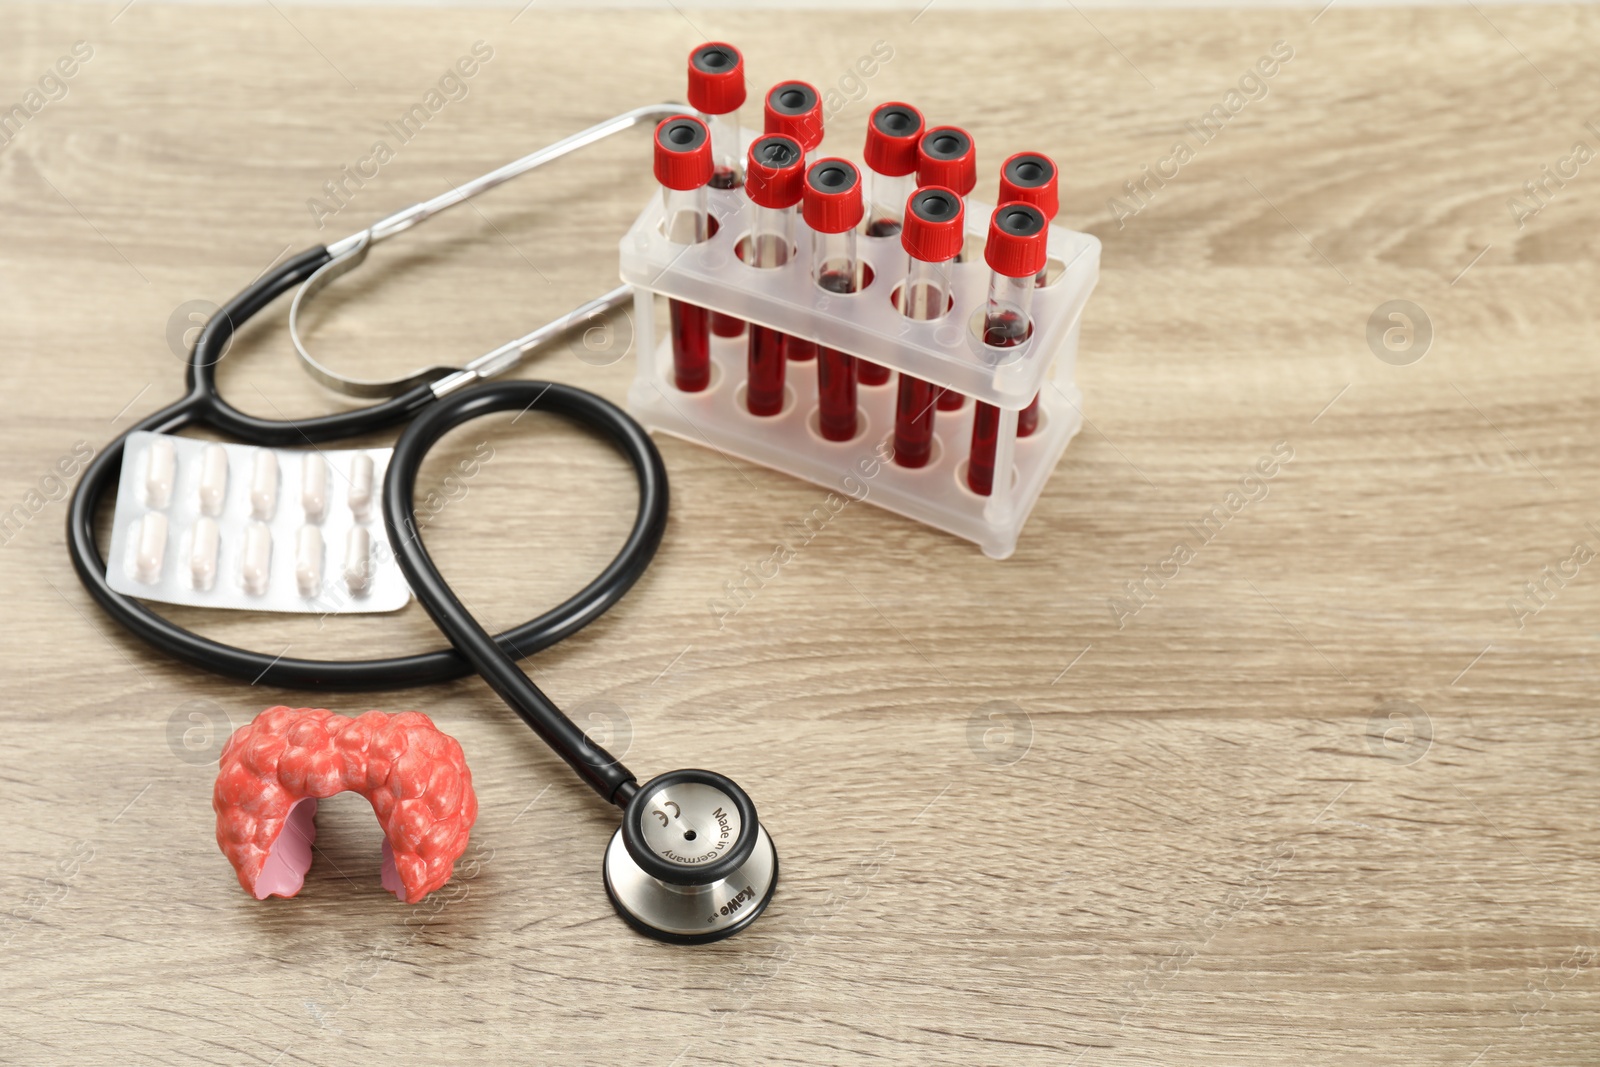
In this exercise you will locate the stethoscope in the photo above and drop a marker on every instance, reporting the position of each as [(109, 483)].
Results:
[(691, 862)]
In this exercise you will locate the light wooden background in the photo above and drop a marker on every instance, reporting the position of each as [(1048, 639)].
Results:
[(1011, 830)]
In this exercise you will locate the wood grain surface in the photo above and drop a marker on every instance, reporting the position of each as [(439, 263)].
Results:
[(1316, 790)]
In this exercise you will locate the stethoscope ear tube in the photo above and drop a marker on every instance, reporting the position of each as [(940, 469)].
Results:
[(348, 253), (602, 771)]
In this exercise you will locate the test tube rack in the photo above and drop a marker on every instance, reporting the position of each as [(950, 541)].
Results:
[(948, 351)]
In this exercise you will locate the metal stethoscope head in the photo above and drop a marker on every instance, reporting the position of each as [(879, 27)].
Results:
[(691, 862)]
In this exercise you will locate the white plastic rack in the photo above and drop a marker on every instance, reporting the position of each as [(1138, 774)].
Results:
[(948, 352)]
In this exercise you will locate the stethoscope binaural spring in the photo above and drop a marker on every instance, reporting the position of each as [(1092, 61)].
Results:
[(691, 862)]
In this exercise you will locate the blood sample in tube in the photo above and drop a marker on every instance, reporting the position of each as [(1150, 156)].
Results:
[(691, 346), (794, 110), (1031, 177), (931, 236), (946, 157), (832, 208), (913, 421), (683, 167), (764, 390), (1015, 252), (985, 440), (774, 182), (717, 91)]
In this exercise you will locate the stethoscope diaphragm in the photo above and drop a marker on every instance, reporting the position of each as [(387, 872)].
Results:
[(691, 861)]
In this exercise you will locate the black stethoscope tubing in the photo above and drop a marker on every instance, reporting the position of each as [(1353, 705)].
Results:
[(474, 649)]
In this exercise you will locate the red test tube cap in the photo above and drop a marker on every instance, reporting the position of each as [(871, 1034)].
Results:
[(716, 78), (795, 110), (775, 171), (1031, 178), (1016, 244), (892, 136), (933, 231), (833, 196), (683, 153), (945, 157)]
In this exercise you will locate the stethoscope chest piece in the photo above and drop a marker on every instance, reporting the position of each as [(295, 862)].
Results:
[(691, 862)]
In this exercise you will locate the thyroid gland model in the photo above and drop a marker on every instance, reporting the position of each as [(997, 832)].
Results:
[(274, 771)]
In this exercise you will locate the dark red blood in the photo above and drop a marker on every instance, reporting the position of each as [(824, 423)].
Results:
[(726, 325), (913, 422), (799, 349), (985, 436), (836, 394), (871, 373), (764, 388), (691, 347), (1028, 418)]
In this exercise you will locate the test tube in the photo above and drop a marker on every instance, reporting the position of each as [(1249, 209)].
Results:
[(774, 179), (1015, 252), (931, 235), (1030, 177), (795, 110), (683, 167), (946, 158), (832, 208), (891, 157), (716, 90)]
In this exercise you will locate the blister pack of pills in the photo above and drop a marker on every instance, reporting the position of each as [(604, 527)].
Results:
[(266, 529)]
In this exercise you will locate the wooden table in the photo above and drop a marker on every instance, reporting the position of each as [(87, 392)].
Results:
[(1320, 792)]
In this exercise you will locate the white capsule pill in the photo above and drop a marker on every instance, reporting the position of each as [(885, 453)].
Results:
[(203, 553), (313, 486), (255, 562), (161, 471), (358, 559), (213, 479), (360, 484), (264, 484), (150, 547), (308, 560)]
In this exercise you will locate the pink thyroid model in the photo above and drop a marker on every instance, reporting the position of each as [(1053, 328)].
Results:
[(274, 771)]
